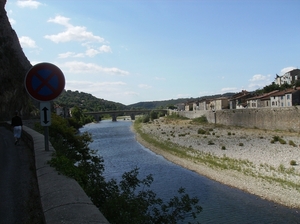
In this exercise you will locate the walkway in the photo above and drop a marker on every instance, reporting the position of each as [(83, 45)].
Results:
[(33, 192), (20, 202)]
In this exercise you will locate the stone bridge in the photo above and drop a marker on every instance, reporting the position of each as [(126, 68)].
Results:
[(115, 113)]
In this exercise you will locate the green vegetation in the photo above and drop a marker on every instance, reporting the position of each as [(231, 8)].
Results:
[(86, 102), (130, 200), (293, 163), (278, 139), (201, 131), (292, 143), (176, 116), (200, 120)]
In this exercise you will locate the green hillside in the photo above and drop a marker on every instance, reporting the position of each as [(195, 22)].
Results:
[(86, 102)]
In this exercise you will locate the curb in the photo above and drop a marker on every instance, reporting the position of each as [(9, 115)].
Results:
[(62, 198)]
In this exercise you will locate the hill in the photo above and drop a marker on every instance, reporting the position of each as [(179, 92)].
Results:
[(86, 101), (167, 103)]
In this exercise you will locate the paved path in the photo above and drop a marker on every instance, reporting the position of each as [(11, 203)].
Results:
[(19, 198)]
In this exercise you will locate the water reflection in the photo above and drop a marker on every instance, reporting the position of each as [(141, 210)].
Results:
[(221, 204)]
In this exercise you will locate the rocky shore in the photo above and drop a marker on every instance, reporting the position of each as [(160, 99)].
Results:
[(261, 162)]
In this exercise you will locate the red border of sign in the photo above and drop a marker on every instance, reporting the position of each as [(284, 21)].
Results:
[(34, 70)]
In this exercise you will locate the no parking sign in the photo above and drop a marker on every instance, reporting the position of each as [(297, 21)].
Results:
[(44, 82)]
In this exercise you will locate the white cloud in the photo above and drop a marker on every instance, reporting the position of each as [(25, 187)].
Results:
[(259, 81), (285, 70), (159, 78), (229, 89), (104, 90), (92, 86), (91, 52), (27, 42), (144, 86), (81, 67), (71, 54), (105, 48), (72, 33), (28, 4)]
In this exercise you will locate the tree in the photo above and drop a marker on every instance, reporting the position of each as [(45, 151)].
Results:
[(153, 115)]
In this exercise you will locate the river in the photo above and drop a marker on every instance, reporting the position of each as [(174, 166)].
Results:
[(116, 143)]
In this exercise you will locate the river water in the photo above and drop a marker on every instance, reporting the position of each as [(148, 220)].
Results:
[(116, 143)]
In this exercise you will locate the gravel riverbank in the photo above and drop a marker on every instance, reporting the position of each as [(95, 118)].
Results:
[(256, 161)]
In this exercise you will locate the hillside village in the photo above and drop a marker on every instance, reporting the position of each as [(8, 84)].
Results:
[(244, 99)]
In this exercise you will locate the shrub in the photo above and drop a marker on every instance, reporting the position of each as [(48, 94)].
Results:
[(292, 143), (210, 142), (282, 141), (293, 163), (241, 144), (201, 119), (201, 131), (278, 139), (223, 147), (229, 133)]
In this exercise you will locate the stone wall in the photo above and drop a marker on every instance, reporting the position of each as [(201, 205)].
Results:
[(285, 118)]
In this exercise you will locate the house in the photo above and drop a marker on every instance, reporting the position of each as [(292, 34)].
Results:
[(203, 104), (189, 105), (180, 106), (290, 77), (261, 100), (239, 100), (285, 98), (217, 104)]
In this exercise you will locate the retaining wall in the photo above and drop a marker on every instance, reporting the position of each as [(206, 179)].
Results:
[(282, 118), (62, 198)]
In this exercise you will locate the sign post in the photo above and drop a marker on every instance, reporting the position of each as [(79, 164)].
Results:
[(44, 82)]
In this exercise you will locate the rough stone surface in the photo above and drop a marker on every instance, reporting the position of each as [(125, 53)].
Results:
[(13, 69)]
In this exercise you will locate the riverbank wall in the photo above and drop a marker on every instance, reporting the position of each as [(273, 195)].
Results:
[(282, 118)]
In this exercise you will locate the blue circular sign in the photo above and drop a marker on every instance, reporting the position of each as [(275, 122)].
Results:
[(44, 82)]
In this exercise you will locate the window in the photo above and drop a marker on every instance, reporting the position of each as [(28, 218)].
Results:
[(288, 96), (281, 97)]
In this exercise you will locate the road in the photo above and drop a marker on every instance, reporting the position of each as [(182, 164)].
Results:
[(19, 195)]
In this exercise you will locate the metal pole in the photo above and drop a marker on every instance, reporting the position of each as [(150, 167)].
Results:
[(46, 135)]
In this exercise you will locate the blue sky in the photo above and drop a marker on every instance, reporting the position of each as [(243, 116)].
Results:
[(130, 51)]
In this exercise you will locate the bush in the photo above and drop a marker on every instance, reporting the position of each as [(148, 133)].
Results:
[(292, 143), (241, 144), (210, 142), (200, 120), (223, 147), (278, 139), (293, 163), (201, 131)]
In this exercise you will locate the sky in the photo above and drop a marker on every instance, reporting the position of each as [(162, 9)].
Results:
[(131, 51)]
